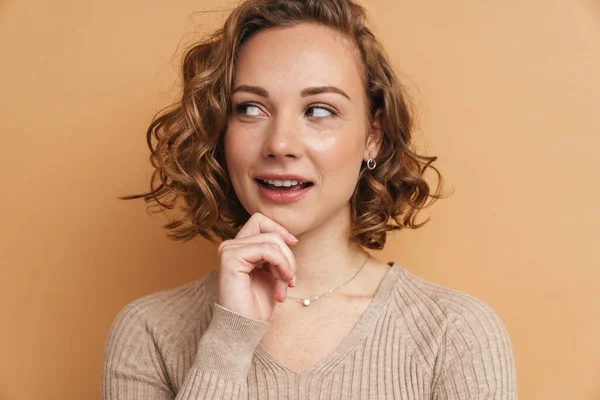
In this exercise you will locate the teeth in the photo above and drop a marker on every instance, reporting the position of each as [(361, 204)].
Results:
[(279, 183)]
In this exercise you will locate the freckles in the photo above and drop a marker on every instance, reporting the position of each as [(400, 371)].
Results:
[(338, 149), (339, 162), (239, 144)]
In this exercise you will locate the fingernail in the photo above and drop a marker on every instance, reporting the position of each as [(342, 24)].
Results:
[(294, 281), (294, 238)]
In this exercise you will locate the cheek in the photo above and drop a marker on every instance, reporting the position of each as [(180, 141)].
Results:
[(241, 145), (340, 161), (236, 159)]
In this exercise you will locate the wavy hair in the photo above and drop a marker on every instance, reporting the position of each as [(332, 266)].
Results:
[(186, 139)]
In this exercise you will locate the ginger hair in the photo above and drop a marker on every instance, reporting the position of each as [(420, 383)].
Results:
[(186, 139)]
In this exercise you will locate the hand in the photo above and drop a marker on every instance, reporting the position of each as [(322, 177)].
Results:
[(256, 268)]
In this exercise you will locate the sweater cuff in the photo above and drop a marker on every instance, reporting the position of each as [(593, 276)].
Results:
[(228, 345)]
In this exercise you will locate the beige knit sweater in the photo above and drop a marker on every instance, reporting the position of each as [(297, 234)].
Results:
[(416, 340)]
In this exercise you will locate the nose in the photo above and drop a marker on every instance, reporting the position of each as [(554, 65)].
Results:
[(283, 139)]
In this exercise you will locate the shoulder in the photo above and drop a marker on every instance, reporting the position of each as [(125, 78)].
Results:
[(465, 333), (147, 335), (452, 313), (445, 305), (165, 315)]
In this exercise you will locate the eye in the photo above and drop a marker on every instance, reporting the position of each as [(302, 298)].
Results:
[(319, 112), (248, 109)]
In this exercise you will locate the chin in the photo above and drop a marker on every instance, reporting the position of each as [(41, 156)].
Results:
[(296, 223)]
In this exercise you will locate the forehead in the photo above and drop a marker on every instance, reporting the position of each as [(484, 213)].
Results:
[(303, 55)]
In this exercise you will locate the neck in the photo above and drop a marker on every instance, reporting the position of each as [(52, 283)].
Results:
[(326, 258)]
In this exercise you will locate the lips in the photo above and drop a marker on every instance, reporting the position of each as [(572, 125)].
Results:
[(283, 181), (283, 189)]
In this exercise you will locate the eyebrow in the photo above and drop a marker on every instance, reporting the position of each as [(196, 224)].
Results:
[(252, 89), (310, 91)]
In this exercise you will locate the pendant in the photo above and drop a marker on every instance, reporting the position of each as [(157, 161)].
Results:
[(306, 302)]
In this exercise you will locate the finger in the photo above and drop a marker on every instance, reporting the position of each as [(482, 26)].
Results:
[(258, 223), (249, 255), (280, 288), (280, 291), (264, 281), (276, 287), (273, 270), (273, 238)]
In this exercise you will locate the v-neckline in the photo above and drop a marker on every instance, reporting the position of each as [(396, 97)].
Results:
[(371, 313)]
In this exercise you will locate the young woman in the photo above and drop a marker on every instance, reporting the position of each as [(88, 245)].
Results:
[(291, 144)]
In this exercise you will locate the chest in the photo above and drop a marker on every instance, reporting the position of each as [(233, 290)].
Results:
[(304, 338), (386, 363)]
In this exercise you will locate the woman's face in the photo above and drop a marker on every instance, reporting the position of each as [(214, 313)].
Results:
[(298, 114)]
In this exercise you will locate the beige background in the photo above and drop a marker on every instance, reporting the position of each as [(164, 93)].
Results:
[(509, 94)]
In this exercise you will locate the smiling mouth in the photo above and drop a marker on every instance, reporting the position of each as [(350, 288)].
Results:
[(283, 185)]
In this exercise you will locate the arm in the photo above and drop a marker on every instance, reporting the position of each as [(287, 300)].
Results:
[(476, 359), (134, 368)]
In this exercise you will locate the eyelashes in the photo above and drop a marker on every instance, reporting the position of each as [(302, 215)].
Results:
[(242, 109), (314, 111), (321, 107)]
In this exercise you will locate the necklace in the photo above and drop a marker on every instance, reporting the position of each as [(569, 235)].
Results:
[(307, 302)]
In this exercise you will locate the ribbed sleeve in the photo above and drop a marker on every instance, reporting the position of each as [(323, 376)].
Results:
[(224, 357), (475, 355), (132, 368)]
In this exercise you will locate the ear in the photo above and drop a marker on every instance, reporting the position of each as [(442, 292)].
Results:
[(375, 137)]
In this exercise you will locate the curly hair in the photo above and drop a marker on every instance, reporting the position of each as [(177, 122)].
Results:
[(188, 156)]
